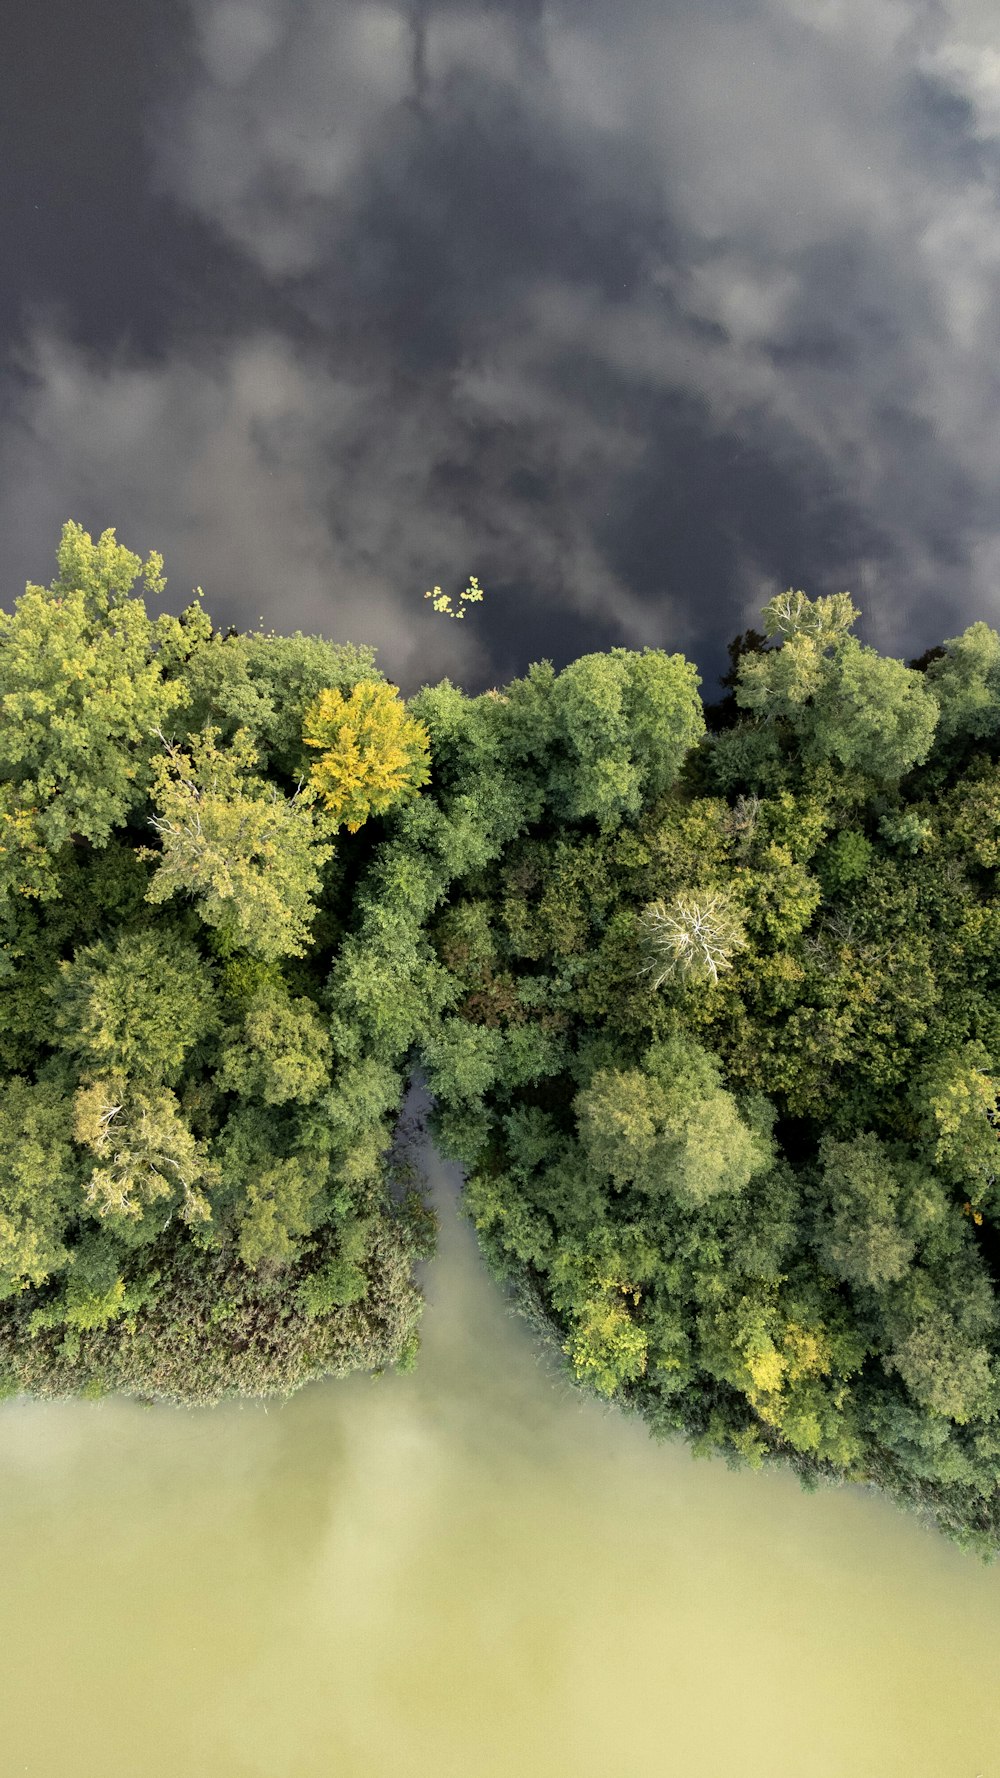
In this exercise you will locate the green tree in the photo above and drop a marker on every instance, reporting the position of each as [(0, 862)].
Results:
[(269, 1198), (80, 693), (135, 1006), (965, 680), (462, 1060), (39, 1182), (946, 1371), (281, 1206), (281, 1051), (753, 756), (872, 715), (607, 1345), (485, 789), (670, 1125), (608, 732), (250, 856), (862, 1235), (951, 1098), (791, 1358), (148, 1156), (340, 1280), (845, 860), (905, 829), (841, 700), (264, 684), (356, 1111), (969, 821), (388, 988), (94, 1293), (623, 1117)]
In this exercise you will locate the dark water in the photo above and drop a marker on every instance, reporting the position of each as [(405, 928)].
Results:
[(639, 312)]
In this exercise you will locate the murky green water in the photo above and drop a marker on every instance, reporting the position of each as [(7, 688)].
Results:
[(466, 1573)]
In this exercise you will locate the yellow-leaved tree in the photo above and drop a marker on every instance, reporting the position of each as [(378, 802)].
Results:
[(374, 753)]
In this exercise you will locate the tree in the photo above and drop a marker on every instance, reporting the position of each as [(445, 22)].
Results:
[(39, 1182), (724, 713), (147, 1153), (841, 700), (219, 687), (609, 732), (791, 1356), (281, 1051), (450, 719), (341, 1280), (969, 820), (80, 694), (388, 988), (402, 886), (824, 621), (486, 789), (359, 1111), (607, 1347), (861, 1235), (781, 682), (591, 1286), (462, 1060), (845, 860), (251, 857), (670, 1125), (694, 936), (265, 684), (270, 1198), (136, 1005), (752, 755), (281, 1206), (664, 714), (872, 715), (942, 1368), (449, 845), (780, 896), (623, 1117), (965, 680), (374, 753), (952, 1098), (511, 1231), (717, 1152)]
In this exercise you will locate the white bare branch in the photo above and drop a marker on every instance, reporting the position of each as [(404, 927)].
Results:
[(693, 933)]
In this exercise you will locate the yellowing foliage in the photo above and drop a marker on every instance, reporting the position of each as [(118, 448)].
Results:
[(608, 1347), (767, 1370), (442, 601), (375, 754), (774, 1373)]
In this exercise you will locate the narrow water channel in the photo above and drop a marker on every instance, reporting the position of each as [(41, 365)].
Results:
[(470, 1572)]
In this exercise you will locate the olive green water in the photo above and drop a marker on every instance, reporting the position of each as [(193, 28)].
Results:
[(470, 1572)]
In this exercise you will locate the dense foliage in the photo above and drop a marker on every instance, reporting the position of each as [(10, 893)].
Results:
[(198, 1192), (724, 1072), (709, 1009)]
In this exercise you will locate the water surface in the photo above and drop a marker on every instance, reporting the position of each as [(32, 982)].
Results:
[(471, 1572), (640, 312)]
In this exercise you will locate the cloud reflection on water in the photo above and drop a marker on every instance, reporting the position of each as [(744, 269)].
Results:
[(640, 315)]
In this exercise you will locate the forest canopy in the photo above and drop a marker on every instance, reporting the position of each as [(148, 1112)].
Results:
[(707, 998)]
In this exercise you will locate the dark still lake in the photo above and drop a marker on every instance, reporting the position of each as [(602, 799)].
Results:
[(639, 313)]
